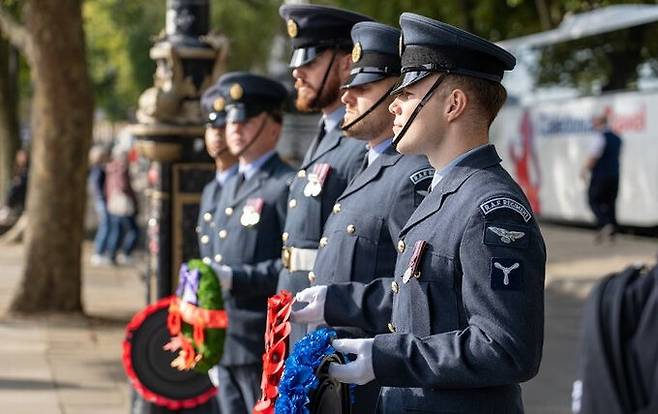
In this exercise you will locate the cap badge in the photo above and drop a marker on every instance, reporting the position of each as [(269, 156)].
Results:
[(356, 52), (236, 92), (218, 105), (293, 29)]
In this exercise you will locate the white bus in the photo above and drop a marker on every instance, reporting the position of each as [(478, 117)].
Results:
[(604, 61)]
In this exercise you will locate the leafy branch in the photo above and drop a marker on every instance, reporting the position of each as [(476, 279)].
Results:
[(15, 33)]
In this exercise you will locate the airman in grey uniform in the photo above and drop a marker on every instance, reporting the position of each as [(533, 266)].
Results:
[(361, 234), (248, 226), (213, 103), (320, 61), (464, 312)]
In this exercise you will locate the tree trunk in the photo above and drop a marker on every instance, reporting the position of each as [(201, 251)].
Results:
[(62, 110), (9, 138)]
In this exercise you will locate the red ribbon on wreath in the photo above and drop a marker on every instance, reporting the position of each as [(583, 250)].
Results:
[(200, 319), (277, 333)]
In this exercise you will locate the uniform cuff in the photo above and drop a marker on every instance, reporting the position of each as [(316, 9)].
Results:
[(386, 362), (240, 283), (333, 314)]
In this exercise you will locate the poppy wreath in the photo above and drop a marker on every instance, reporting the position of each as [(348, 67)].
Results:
[(197, 321), (277, 333), (140, 360)]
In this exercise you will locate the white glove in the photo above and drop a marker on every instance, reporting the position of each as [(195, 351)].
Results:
[(359, 371), (313, 313), (225, 276), (213, 374)]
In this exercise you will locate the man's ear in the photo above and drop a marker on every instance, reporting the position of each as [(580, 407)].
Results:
[(276, 129), (455, 104), (344, 63)]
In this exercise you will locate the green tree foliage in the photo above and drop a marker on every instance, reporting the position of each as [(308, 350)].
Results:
[(494, 19), (9, 122), (602, 63), (119, 36), (250, 26), (119, 33)]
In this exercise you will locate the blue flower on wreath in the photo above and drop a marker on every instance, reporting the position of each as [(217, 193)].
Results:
[(298, 379)]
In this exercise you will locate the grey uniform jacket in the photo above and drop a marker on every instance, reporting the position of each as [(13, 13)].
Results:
[(244, 248), (361, 234), (205, 224), (469, 328), (307, 215)]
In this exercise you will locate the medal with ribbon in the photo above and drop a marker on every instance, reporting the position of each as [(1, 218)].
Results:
[(316, 179), (251, 212), (414, 262)]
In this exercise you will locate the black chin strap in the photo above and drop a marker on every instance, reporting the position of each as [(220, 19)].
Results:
[(324, 80), (366, 113), (416, 111), (253, 139)]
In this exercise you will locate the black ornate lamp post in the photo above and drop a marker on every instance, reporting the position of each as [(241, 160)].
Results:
[(170, 135)]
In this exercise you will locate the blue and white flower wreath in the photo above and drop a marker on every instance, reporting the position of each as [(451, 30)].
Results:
[(299, 379)]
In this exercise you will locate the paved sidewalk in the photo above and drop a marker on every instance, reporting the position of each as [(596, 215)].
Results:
[(67, 365), (63, 365)]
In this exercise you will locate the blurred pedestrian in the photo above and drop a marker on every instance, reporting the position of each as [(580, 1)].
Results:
[(122, 209), (98, 158), (602, 165), (14, 201)]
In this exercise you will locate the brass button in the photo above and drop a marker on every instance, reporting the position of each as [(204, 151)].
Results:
[(292, 203), (401, 246), (337, 208), (392, 327), (205, 239), (218, 258), (301, 173), (351, 229), (395, 287), (285, 236), (324, 241), (207, 260), (207, 217), (198, 229), (223, 233), (311, 277), (228, 211)]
